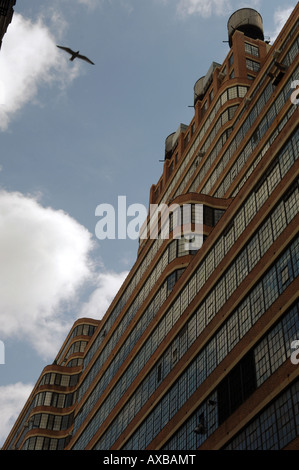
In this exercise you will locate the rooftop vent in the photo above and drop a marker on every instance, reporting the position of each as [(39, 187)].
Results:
[(248, 21)]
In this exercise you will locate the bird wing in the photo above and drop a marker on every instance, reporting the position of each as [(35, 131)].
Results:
[(67, 49), (83, 57)]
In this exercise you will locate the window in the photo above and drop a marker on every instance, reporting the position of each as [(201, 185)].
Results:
[(244, 315), (284, 270), (229, 237), (233, 93), (182, 247), (172, 251), (236, 387), (291, 201), (187, 140), (159, 373), (210, 307), (274, 428), (270, 288), (171, 280), (253, 65), (218, 213), (252, 50), (174, 356)]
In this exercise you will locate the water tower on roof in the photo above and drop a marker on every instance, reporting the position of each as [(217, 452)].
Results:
[(248, 21)]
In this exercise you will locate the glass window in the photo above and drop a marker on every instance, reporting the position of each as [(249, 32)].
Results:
[(265, 237), (233, 93), (269, 429), (253, 65), (284, 271), (279, 220), (171, 282), (244, 317), (270, 288), (251, 49), (257, 302)]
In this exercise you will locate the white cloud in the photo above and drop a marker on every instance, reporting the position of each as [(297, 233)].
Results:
[(280, 18), (89, 3), (207, 8), (93, 4), (107, 286), (203, 8), (12, 399), (44, 260), (29, 58)]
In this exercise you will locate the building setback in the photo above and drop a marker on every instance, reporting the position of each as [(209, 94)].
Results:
[(195, 351)]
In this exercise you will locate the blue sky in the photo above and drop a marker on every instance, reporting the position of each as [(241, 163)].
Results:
[(75, 135)]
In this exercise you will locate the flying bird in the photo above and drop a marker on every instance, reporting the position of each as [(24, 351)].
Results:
[(75, 54)]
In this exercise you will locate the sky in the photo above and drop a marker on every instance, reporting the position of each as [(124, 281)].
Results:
[(75, 136)]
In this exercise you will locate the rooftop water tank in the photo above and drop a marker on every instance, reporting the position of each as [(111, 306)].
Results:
[(169, 146), (199, 89), (248, 21)]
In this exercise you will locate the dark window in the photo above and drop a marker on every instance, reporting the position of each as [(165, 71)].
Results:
[(218, 213), (69, 400), (208, 216), (73, 380), (237, 386), (159, 373), (171, 280), (50, 421), (57, 379), (174, 355)]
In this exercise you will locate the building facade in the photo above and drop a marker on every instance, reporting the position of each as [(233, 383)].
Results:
[(198, 349), (6, 14)]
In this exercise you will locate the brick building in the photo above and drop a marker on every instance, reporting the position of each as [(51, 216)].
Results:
[(195, 351)]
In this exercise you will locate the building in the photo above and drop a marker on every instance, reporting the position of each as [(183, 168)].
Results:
[(198, 349), (6, 14)]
